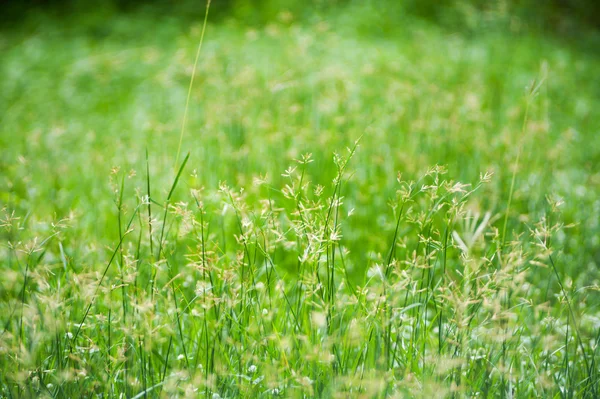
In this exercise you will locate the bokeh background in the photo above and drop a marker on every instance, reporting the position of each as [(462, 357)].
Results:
[(89, 86)]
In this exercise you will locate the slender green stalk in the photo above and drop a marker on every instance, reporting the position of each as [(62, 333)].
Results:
[(189, 92)]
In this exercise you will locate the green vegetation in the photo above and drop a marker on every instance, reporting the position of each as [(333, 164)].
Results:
[(366, 204)]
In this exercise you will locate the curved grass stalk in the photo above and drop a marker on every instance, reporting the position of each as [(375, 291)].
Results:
[(189, 92)]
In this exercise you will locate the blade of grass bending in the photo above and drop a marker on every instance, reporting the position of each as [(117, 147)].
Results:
[(162, 230), (178, 176), (146, 391)]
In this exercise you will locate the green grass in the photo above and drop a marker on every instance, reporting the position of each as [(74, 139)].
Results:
[(307, 244)]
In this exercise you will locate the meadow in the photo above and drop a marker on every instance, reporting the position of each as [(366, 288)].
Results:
[(351, 201)]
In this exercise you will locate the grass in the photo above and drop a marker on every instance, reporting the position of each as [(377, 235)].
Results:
[(308, 244)]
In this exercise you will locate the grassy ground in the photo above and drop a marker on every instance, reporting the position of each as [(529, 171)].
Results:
[(309, 244)]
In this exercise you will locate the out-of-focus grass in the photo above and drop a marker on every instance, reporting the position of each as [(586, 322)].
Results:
[(84, 94)]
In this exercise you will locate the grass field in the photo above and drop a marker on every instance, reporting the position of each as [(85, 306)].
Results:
[(361, 206)]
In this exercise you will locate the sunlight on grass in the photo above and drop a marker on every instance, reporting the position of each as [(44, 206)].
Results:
[(365, 209)]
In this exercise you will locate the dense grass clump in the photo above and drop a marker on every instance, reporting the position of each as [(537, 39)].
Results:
[(309, 244), (250, 292)]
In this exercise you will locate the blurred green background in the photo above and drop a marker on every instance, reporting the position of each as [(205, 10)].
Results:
[(85, 87)]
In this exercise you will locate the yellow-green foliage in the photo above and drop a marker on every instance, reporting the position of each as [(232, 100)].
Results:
[(308, 244)]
